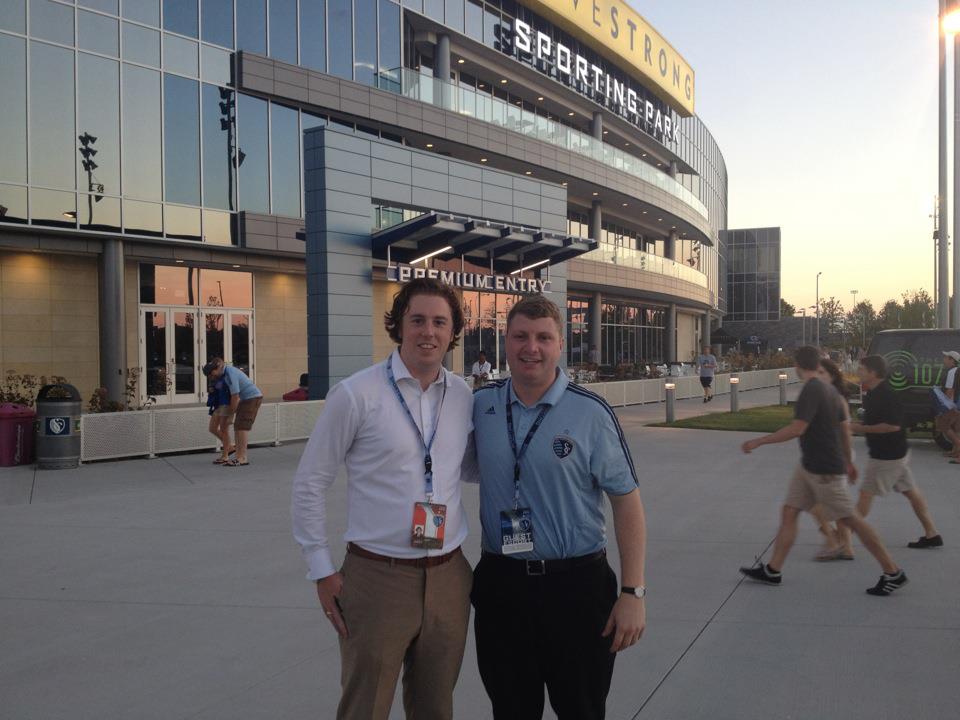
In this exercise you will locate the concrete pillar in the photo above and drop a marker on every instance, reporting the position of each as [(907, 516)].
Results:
[(596, 221), (113, 329), (672, 169), (670, 246), (441, 58), (596, 125), (596, 321), (670, 335), (705, 334)]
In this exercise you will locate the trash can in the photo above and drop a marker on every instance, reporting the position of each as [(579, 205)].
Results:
[(58, 427), (16, 434)]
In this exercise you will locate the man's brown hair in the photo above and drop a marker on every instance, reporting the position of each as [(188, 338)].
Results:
[(393, 319), (536, 307), (875, 364), (807, 358)]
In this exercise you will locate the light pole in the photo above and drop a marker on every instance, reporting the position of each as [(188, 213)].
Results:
[(951, 25), (853, 309), (818, 308)]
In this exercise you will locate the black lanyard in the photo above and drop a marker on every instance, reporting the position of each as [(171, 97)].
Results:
[(427, 460), (517, 456)]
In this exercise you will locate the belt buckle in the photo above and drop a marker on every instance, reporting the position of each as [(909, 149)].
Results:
[(536, 567)]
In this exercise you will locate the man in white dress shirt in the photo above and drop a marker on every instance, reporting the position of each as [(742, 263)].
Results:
[(402, 598), (481, 371)]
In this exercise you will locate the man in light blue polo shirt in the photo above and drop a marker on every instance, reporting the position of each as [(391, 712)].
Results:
[(245, 399), (549, 609)]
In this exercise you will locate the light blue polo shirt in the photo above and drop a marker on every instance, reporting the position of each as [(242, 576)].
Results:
[(577, 454), (239, 384)]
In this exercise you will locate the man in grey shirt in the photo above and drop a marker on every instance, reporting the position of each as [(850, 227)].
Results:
[(707, 365)]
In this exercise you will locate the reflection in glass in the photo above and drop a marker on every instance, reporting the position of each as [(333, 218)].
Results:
[(96, 212), (52, 140), (143, 218), (283, 30), (168, 284), (181, 222), (141, 45), (254, 173), (215, 65), (219, 128), (218, 228), (313, 47), (145, 11), (213, 323), (473, 21), (107, 6), (98, 114), (365, 41), (454, 14), (252, 26), (183, 352), (226, 288), (98, 33), (13, 16), (13, 109), (389, 36), (217, 17), (13, 204), (51, 21), (240, 341), (180, 55), (155, 352), (141, 133), (285, 161), (181, 141), (53, 208), (340, 14), (180, 16)]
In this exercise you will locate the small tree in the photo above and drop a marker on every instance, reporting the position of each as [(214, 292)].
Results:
[(786, 309)]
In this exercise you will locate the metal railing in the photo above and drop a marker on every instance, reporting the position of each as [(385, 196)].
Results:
[(641, 260)]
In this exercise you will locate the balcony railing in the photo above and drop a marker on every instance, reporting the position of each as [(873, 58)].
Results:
[(485, 107), (640, 260)]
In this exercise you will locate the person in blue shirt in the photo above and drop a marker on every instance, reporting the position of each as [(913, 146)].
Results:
[(245, 399), (549, 611)]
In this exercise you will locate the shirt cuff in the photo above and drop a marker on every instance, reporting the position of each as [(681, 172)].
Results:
[(320, 565)]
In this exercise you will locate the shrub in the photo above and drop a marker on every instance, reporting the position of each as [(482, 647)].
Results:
[(99, 402), (22, 389)]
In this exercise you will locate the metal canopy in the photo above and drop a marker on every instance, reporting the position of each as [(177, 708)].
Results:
[(445, 236)]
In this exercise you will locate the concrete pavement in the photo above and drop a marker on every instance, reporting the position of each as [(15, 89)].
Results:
[(171, 588)]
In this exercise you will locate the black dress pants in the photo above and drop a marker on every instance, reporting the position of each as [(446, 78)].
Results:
[(544, 631)]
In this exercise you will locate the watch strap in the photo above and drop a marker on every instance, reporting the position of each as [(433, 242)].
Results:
[(639, 592)]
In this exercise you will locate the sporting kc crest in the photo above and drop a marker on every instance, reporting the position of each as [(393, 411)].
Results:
[(562, 446)]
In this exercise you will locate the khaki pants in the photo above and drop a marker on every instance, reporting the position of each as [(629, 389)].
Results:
[(402, 617)]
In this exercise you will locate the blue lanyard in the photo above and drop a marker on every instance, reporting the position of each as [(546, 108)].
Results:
[(427, 460), (517, 456)]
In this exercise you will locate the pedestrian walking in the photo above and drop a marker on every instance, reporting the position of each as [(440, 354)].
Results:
[(826, 455), (888, 467), (549, 611), (245, 399), (707, 365), (218, 402), (401, 600)]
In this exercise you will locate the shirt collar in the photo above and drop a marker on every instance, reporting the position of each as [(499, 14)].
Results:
[(400, 371), (552, 395)]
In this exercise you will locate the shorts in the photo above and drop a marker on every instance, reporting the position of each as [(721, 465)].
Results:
[(247, 413), (223, 411), (706, 381), (829, 491), (882, 476)]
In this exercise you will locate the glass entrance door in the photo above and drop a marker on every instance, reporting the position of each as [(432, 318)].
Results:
[(168, 354)]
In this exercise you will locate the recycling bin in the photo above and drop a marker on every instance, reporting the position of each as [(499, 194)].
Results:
[(58, 427), (16, 434)]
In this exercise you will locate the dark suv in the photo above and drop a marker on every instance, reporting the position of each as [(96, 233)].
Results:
[(915, 364)]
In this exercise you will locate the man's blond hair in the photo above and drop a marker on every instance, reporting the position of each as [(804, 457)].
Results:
[(536, 307)]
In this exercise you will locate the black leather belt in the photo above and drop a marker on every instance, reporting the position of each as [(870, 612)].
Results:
[(541, 567)]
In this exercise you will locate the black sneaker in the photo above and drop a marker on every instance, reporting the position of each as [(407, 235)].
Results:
[(925, 542), (762, 573), (706, 400), (888, 583)]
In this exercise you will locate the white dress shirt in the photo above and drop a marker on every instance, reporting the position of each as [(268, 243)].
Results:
[(481, 369), (364, 426)]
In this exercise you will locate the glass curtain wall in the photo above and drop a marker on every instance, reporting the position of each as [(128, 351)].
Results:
[(485, 327)]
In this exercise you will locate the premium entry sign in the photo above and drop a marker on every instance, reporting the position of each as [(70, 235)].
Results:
[(618, 31), (469, 280)]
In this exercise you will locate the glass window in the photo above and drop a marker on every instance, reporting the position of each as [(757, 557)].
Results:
[(416, 5), (180, 55), (141, 45), (225, 288), (217, 22), (53, 208), (182, 223), (13, 109), (97, 33), (181, 141), (13, 204), (107, 6), (52, 138), (168, 285), (96, 212), (283, 30), (285, 160), (365, 41), (215, 65), (473, 22), (389, 36), (143, 218), (254, 173), (252, 26), (180, 16), (341, 41), (98, 117), (218, 227), (51, 21), (454, 14), (13, 16), (219, 128), (313, 46), (433, 9), (491, 28), (141, 133)]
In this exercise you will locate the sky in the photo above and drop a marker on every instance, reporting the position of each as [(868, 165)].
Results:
[(826, 114)]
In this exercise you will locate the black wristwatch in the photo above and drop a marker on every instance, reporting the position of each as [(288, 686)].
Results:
[(639, 592)]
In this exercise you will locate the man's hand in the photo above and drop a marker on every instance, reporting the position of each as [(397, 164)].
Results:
[(328, 590), (750, 445), (852, 473), (627, 621)]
